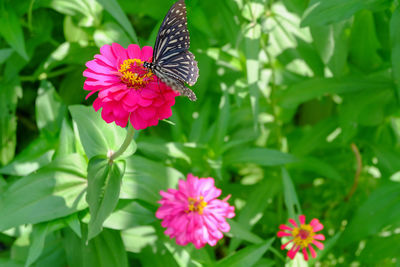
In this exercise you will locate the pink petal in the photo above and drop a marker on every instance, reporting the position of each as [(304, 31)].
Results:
[(302, 219), (305, 254), (293, 222), (282, 234), (313, 254), (285, 227), (134, 51), (318, 244), (147, 53), (319, 237)]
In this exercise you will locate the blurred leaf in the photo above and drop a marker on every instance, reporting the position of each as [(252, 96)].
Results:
[(111, 33), (38, 237), (54, 191), (118, 14), (261, 156), (252, 212), (98, 137), (247, 256), (363, 41), (66, 143), (312, 88), (379, 248), (252, 49), (11, 30), (238, 231), (128, 215), (106, 249), (137, 238), (377, 210), (50, 111), (318, 166), (4, 54), (144, 179), (89, 9), (104, 183), (221, 124), (395, 41), (73, 33), (291, 201), (36, 155), (321, 12), (9, 94)]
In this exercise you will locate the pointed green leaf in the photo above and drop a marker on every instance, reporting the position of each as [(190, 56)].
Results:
[(104, 183), (113, 7), (97, 136), (54, 191), (247, 256), (11, 30)]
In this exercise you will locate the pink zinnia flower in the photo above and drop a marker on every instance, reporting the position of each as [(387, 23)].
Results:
[(302, 236), (127, 90), (193, 214)]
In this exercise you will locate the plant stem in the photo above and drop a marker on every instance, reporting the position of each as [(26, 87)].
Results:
[(125, 144)]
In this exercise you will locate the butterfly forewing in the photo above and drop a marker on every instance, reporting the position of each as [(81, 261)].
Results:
[(171, 49)]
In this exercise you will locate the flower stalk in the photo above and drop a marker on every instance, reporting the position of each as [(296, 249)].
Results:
[(128, 139)]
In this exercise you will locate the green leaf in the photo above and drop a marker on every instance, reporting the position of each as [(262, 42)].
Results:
[(36, 155), (38, 237), (256, 203), (128, 215), (291, 201), (104, 183), (378, 210), (252, 49), (5, 53), (11, 30), (261, 156), (50, 111), (111, 33), (96, 136), (247, 256), (321, 12), (145, 178), (395, 41), (221, 124), (9, 94), (90, 9), (116, 11), (54, 191), (363, 41), (66, 144), (106, 249), (137, 238), (316, 87), (238, 231)]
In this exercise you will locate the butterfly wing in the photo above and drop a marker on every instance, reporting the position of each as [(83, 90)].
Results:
[(172, 44)]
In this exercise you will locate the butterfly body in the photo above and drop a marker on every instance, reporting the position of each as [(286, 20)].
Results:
[(173, 63)]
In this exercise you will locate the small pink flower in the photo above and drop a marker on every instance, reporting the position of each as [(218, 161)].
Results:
[(193, 214), (302, 236), (126, 90)]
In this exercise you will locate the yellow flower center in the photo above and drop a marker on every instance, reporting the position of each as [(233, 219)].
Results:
[(134, 74), (196, 205), (303, 235)]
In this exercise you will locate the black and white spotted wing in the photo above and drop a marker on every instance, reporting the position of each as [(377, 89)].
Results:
[(172, 62)]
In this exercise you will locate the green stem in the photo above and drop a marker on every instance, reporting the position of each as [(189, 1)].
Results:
[(125, 144)]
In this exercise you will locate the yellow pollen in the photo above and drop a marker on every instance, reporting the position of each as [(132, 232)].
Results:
[(196, 205), (303, 235), (134, 74)]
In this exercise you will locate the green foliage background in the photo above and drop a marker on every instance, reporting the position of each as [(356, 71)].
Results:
[(297, 113)]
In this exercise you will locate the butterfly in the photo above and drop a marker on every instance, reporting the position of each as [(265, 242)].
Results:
[(172, 62)]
